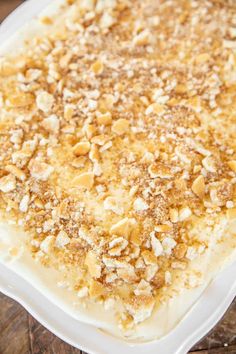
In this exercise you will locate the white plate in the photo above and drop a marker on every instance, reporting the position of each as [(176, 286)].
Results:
[(199, 320), (206, 312)]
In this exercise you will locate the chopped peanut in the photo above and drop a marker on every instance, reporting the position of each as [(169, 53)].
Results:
[(17, 172), (20, 100), (81, 148), (93, 264), (121, 126), (198, 186), (97, 67), (85, 180), (232, 165), (104, 119)]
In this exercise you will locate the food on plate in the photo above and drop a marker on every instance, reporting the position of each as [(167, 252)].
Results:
[(118, 156)]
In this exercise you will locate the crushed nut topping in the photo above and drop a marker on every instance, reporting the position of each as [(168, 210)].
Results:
[(198, 186)]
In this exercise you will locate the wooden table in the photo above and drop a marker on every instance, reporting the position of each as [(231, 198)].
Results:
[(20, 333)]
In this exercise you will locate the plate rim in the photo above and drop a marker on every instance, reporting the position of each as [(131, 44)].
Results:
[(224, 280)]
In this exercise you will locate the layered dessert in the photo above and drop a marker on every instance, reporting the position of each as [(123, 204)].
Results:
[(118, 157)]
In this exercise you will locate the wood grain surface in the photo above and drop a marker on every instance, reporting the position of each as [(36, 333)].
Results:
[(20, 333)]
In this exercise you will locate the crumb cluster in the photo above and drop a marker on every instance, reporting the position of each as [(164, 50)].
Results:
[(117, 135)]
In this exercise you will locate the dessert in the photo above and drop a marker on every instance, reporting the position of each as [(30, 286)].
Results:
[(118, 157)]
